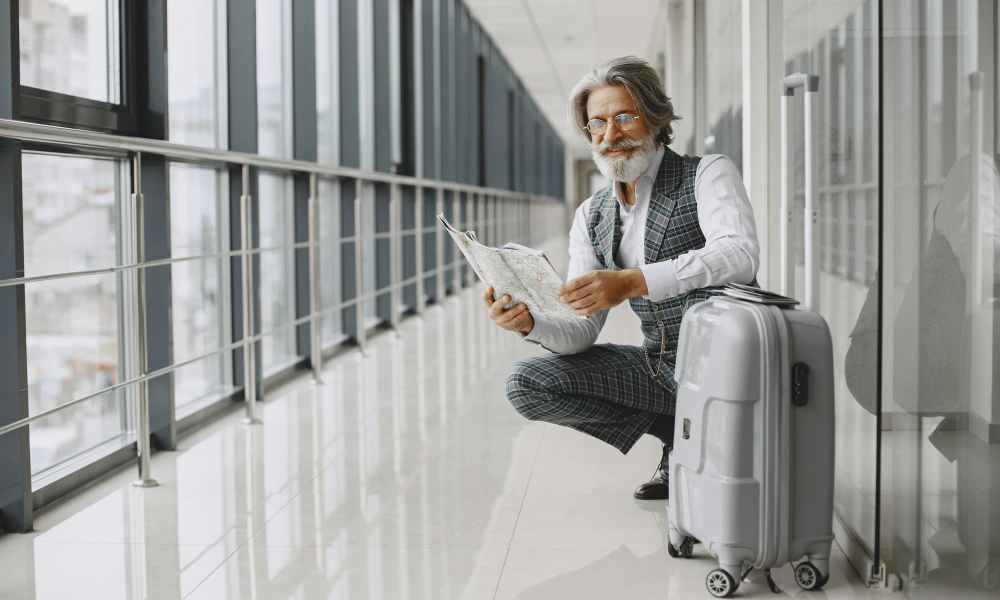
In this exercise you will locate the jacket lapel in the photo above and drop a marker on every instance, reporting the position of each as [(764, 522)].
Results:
[(661, 203), (605, 226)]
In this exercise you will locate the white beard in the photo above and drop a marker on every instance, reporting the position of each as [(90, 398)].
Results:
[(628, 169)]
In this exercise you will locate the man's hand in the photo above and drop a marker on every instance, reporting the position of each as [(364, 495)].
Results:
[(516, 318), (598, 290)]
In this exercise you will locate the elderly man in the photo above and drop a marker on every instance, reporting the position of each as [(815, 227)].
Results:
[(666, 227)]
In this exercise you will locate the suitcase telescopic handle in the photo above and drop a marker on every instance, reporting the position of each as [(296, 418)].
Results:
[(811, 85)]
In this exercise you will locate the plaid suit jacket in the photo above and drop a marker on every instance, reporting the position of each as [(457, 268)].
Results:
[(671, 230)]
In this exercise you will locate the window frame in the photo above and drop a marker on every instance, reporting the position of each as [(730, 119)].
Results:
[(129, 117)]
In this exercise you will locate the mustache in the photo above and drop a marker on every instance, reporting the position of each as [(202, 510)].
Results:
[(619, 145)]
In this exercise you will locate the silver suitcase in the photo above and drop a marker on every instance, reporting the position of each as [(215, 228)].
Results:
[(751, 472)]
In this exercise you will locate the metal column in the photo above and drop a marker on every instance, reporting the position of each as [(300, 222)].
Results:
[(439, 248), (315, 285), (249, 345), (395, 256), (143, 448), (359, 268), (418, 243)]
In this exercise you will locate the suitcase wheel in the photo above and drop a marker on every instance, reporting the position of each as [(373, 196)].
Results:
[(808, 576), (720, 583), (686, 549)]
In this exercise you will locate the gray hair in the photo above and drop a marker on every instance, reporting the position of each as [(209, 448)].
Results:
[(641, 82)]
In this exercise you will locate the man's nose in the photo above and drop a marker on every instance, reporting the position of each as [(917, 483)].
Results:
[(611, 132)]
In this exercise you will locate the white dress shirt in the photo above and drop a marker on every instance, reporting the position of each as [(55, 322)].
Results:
[(730, 254)]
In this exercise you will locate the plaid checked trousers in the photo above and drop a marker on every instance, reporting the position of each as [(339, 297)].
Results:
[(606, 391)]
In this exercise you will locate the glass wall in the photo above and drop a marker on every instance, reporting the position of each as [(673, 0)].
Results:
[(72, 324), (196, 90), (275, 192), (941, 402), (330, 293), (924, 507), (198, 216), (837, 41), (723, 73), (277, 268), (200, 287)]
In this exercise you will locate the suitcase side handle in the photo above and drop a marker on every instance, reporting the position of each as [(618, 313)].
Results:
[(800, 384)]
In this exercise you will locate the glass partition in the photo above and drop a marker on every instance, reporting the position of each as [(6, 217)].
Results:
[(73, 326), (941, 402), (200, 287), (837, 41)]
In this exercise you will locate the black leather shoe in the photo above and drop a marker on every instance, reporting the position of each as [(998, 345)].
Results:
[(656, 488)]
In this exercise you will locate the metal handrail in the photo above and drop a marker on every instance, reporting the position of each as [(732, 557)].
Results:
[(78, 138), (134, 148)]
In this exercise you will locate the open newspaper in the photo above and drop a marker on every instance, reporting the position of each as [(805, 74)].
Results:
[(523, 273)]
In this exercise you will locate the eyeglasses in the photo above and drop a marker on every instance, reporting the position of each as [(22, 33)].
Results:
[(623, 121)]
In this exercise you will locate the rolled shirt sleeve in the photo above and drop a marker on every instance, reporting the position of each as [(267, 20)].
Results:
[(731, 251)]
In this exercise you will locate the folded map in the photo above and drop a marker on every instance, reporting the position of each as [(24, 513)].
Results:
[(523, 273)]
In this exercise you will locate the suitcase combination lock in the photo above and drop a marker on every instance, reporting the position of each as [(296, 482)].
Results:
[(800, 384), (686, 429)]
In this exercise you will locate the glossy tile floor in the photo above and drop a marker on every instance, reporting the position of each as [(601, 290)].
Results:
[(406, 475)]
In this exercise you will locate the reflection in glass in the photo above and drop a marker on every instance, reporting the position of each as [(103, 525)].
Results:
[(72, 324), (941, 402), (71, 47), (839, 45)]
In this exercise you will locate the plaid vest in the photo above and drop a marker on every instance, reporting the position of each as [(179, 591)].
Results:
[(671, 230)]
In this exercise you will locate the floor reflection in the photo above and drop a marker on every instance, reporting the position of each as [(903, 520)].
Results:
[(387, 481), (943, 499)]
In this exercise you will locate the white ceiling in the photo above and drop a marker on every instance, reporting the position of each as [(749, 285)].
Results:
[(552, 43)]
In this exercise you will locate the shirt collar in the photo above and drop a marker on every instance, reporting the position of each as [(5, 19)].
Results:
[(648, 177)]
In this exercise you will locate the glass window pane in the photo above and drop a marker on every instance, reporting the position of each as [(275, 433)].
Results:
[(327, 85), (724, 80), (941, 324), (71, 47), (839, 47), (277, 269), (196, 77), (274, 73), (63, 195), (199, 287), (72, 324), (329, 240)]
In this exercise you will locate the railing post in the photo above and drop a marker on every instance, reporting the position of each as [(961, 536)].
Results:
[(439, 248), (472, 205), (359, 269), (395, 249), (249, 347), (315, 285), (456, 263), (142, 417), (418, 244)]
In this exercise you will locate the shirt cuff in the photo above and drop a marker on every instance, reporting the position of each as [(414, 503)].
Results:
[(661, 280), (539, 332)]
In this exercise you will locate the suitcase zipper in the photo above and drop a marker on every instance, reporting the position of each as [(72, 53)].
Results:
[(774, 478)]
